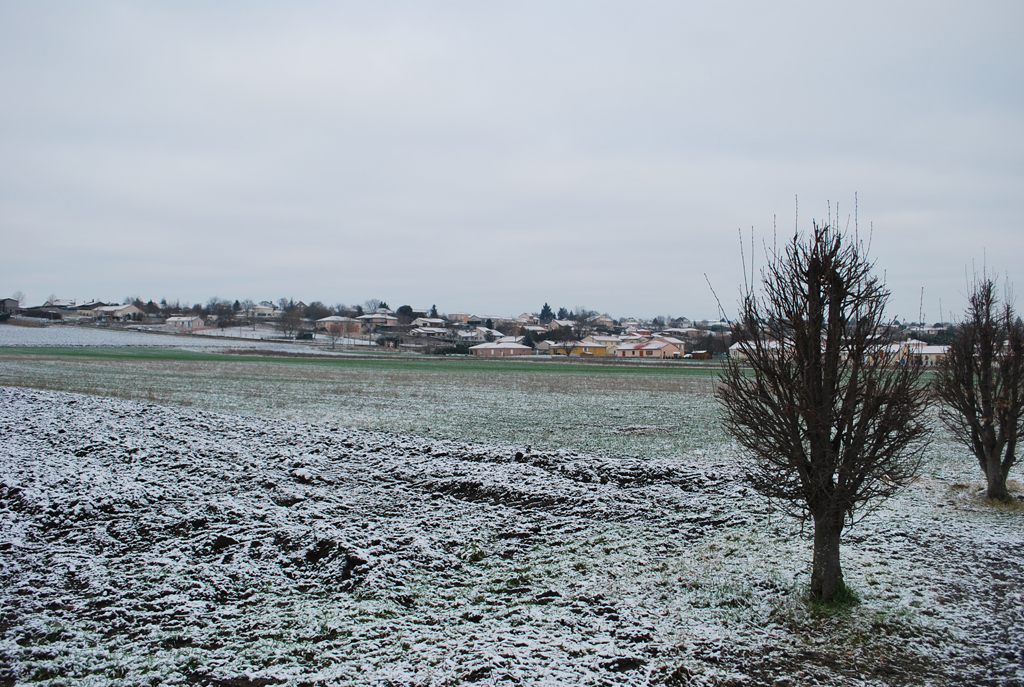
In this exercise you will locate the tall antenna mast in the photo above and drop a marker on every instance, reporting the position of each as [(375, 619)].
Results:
[(920, 309)]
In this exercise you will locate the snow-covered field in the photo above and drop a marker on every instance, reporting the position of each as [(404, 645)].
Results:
[(650, 412), (87, 335), (145, 544), (265, 332)]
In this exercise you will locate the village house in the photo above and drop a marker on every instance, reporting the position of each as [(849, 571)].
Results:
[(607, 342), (671, 339), (429, 322), (184, 323), (506, 323), (929, 356), (87, 307), (738, 350), (431, 332), (378, 319), (610, 341), (920, 353), (561, 324), (9, 305), (264, 311), (500, 349), (479, 334), (338, 324), (683, 332), (655, 348), (582, 349), (127, 311), (927, 330)]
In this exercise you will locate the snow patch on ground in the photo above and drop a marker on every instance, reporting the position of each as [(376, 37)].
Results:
[(146, 544), (217, 339)]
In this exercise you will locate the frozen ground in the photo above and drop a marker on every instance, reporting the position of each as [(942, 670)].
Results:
[(86, 335), (650, 412), (267, 332), (144, 544)]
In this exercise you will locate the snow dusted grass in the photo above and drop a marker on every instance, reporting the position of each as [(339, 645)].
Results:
[(608, 409), (32, 334), (148, 543)]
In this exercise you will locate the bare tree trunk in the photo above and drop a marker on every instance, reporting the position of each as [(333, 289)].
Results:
[(996, 479), (826, 572)]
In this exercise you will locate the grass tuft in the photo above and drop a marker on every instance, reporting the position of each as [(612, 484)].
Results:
[(1013, 505), (842, 601)]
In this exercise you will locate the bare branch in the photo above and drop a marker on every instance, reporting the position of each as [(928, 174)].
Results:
[(817, 398)]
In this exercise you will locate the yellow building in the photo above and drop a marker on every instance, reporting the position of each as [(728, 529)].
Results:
[(602, 341), (584, 349)]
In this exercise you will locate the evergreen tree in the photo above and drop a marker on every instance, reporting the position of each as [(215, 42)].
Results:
[(545, 314), (405, 314)]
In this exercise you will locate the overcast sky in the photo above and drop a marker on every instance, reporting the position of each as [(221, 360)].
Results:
[(490, 157)]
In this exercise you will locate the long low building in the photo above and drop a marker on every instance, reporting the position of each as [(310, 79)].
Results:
[(430, 323), (657, 348), (433, 332), (338, 324), (185, 323), (500, 349), (584, 349), (127, 311), (378, 320)]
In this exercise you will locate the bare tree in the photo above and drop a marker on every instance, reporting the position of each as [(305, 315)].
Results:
[(583, 322), (316, 310), (335, 331), (980, 383), (248, 311), (564, 336), (290, 320), (828, 419)]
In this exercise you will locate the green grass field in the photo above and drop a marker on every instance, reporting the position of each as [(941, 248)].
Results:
[(630, 409)]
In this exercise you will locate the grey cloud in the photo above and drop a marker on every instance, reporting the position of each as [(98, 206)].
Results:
[(491, 158)]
